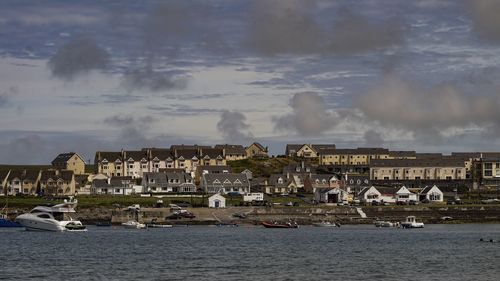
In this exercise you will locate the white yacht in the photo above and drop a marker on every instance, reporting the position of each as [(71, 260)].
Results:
[(134, 225), (52, 218), (411, 222)]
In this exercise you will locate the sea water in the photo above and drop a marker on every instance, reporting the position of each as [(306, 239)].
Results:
[(363, 252)]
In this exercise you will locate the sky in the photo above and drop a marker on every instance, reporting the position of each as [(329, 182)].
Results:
[(84, 76)]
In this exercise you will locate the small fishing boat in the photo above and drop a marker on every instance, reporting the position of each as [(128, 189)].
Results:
[(275, 224), (157, 225), (326, 224), (133, 225), (384, 224), (6, 222), (411, 222)]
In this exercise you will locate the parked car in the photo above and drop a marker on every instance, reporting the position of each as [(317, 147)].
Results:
[(413, 202), (289, 204), (375, 203)]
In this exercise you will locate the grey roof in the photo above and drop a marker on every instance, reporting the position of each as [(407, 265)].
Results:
[(294, 147), (387, 190), (402, 153), (273, 180), (319, 147), (429, 155), (470, 155), (321, 177), (298, 168), (186, 153), (232, 178), (355, 151), (428, 162), (160, 153), (213, 153), (160, 179), (232, 149), (213, 169), (135, 155), (108, 155)]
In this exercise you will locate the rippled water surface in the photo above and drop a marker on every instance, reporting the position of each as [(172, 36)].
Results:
[(438, 252)]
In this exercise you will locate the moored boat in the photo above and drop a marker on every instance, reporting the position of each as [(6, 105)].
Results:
[(275, 224), (384, 224), (133, 225), (52, 218), (6, 222), (411, 222)]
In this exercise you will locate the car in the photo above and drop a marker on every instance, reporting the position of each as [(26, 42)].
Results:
[(187, 215), (490, 201), (289, 204), (413, 202), (401, 203), (375, 203), (174, 216)]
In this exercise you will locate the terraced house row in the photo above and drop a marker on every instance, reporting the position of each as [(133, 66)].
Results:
[(182, 157)]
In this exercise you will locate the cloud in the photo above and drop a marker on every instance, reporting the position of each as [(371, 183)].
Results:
[(5, 96), (233, 127), (292, 27), (147, 79), (310, 116), (428, 111), (353, 33), (79, 56), (133, 131), (485, 18), (373, 138)]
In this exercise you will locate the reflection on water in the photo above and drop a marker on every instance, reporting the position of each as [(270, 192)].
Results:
[(438, 252)]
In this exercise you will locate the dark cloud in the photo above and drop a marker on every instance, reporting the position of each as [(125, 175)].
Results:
[(233, 127), (485, 18), (147, 79), (428, 111), (134, 131), (310, 115), (293, 27), (79, 56), (373, 138)]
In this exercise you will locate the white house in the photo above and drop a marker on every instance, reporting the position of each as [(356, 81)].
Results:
[(115, 186), (405, 195), (431, 193), (330, 195), (216, 201), (369, 194)]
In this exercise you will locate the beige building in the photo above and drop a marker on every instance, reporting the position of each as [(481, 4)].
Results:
[(490, 168), (232, 152), (256, 150), (56, 182), (109, 163), (69, 161), (358, 156), (417, 169)]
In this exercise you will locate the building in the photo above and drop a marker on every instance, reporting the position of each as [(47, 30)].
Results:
[(405, 195), (56, 182), (159, 158), (330, 195), (418, 169), (280, 184), (490, 171), (256, 150), (154, 182), (369, 194), (135, 163), (232, 152), (225, 183), (115, 186), (83, 185), (432, 194), (358, 156), (109, 163), (212, 157), (321, 181), (202, 170), (216, 201), (306, 150), (69, 161)]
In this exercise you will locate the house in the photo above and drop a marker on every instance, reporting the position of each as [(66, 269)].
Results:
[(135, 163), (256, 150), (187, 159), (216, 201), (387, 194), (115, 186), (369, 194), (224, 183), (109, 163), (69, 161), (307, 151), (83, 185), (180, 182), (14, 182), (159, 158), (232, 152), (405, 195), (202, 170), (212, 157), (330, 195), (322, 181), (448, 168), (431, 193), (280, 184), (154, 182), (291, 149), (248, 173), (30, 181), (55, 182), (355, 182)]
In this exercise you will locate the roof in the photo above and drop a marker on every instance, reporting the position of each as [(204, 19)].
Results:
[(319, 147), (186, 153), (232, 149), (387, 190), (294, 147), (429, 155), (213, 153), (469, 155), (110, 156), (210, 178), (15, 174), (323, 177), (211, 169), (159, 178), (402, 153), (365, 190), (427, 189), (355, 151), (428, 162), (64, 157), (160, 153), (273, 180), (31, 175), (258, 145), (135, 155)]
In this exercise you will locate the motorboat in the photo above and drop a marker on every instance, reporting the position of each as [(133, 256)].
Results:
[(384, 224), (155, 225), (52, 218), (411, 222), (275, 224), (326, 224), (133, 225)]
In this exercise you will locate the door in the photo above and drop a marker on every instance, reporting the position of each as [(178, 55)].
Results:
[(216, 203)]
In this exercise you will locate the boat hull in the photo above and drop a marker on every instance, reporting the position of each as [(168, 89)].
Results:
[(279, 225), (9, 223), (31, 222)]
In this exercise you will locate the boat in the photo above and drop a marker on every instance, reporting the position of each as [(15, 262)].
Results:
[(52, 218), (384, 224), (326, 224), (103, 223), (226, 224), (6, 222), (411, 223), (275, 224), (133, 225), (156, 225)]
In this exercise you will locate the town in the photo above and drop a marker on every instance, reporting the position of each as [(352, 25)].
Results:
[(325, 173)]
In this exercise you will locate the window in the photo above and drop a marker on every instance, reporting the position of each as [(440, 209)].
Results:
[(448, 178), (104, 167), (417, 178), (131, 166), (144, 166), (118, 167), (386, 178), (117, 190)]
